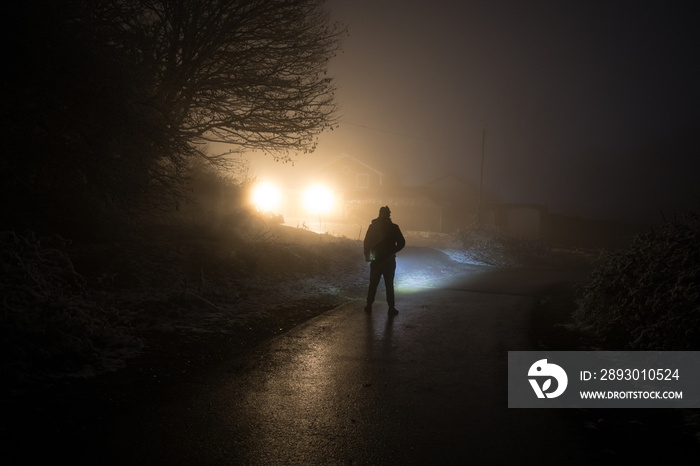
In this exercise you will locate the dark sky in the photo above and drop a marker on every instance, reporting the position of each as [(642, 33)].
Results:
[(591, 107)]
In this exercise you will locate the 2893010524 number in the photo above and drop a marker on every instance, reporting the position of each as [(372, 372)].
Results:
[(639, 374)]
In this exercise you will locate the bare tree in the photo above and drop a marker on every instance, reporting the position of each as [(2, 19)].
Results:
[(252, 73), (110, 99)]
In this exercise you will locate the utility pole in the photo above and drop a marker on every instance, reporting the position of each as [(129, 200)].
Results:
[(481, 179)]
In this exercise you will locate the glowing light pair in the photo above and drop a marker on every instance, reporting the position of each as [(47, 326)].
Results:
[(316, 199)]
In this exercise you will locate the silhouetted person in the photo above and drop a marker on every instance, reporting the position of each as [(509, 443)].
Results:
[(382, 241)]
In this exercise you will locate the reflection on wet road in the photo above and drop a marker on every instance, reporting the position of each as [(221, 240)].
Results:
[(425, 387)]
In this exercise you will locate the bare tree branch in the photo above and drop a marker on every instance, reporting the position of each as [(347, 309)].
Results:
[(252, 73)]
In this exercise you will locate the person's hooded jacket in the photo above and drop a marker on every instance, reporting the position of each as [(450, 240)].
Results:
[(383, 239)]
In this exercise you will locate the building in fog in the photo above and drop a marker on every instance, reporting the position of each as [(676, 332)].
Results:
[(356, 190), (458, 198), (521, 220), (362, 190), (350, 176)]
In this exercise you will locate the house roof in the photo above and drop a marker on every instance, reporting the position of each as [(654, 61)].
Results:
[(405, 196), (346, 156)]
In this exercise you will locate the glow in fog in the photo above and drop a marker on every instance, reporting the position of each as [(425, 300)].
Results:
[(267, 197), (318, 200)]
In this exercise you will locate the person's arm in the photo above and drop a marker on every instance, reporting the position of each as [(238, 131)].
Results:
[(400, 240), (368, 244)]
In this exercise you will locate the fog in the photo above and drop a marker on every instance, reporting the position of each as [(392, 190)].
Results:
[(151, 311), (589, 107)]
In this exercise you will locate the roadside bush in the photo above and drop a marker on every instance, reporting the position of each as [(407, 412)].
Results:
[(647, 297), (490, 246), (50, 325)]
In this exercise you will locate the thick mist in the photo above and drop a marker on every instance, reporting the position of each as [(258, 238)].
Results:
[(588, 108)]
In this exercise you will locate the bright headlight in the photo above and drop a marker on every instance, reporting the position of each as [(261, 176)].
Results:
[(318, 199), (266, 197)]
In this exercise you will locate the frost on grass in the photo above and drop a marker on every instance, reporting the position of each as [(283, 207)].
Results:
[(647, 297), (485, 245), (82, 309)]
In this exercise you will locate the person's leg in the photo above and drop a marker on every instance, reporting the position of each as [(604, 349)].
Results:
[(389, 273)]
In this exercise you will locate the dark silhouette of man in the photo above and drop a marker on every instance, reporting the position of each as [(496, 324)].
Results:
[(382, 241)]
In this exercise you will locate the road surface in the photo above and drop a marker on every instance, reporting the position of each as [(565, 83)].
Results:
[(425, 387)]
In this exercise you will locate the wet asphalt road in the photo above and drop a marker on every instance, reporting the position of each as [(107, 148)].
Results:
[(426, 387)]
